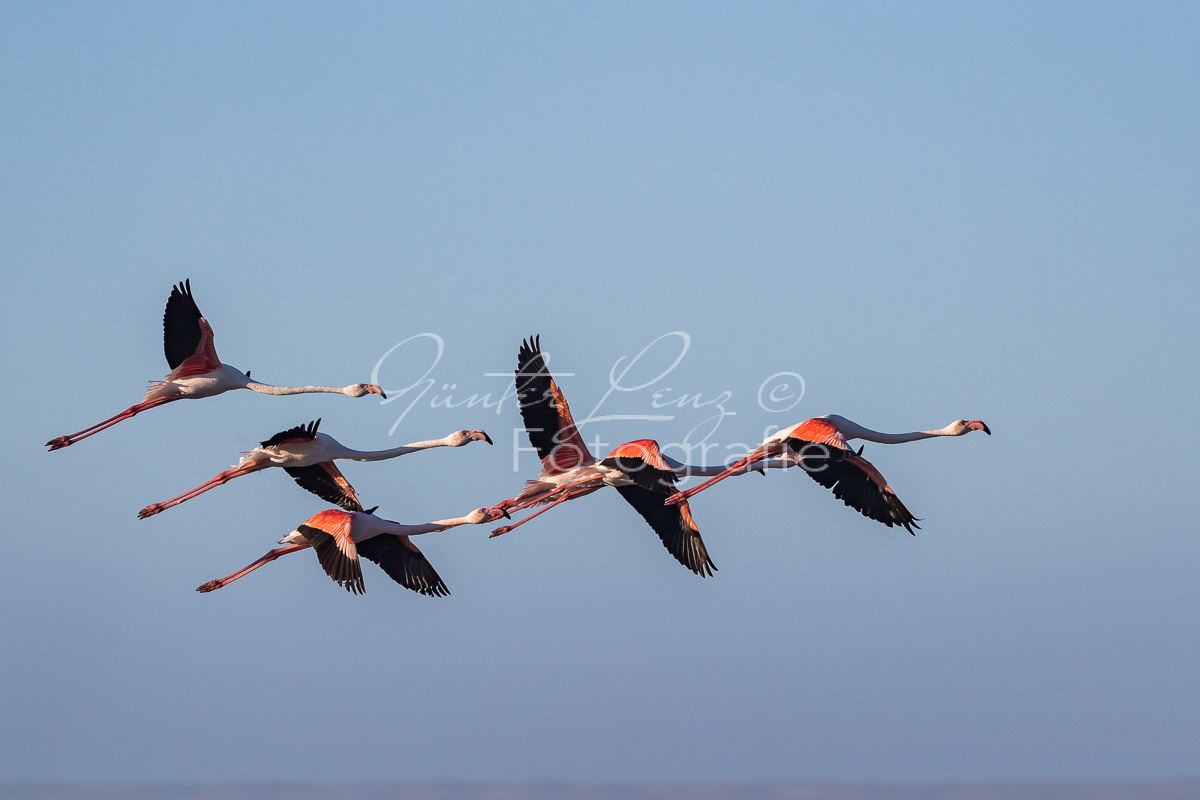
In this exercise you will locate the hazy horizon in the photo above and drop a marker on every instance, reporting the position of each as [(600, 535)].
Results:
[(1165, 789)]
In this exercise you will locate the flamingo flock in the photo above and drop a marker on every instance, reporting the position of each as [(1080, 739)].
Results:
[(641, 473)]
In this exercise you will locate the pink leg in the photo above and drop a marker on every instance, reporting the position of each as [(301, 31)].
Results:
[(63, 441), (519, 505), (521, 501), (267, 559), (737, 468), (514, 504), (212, 483), (563, 499)]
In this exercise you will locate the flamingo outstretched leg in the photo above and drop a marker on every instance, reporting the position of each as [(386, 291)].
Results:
[(212, 483), (60, 442), (521, 501), (267, 559), (738, 467), (506, 528)]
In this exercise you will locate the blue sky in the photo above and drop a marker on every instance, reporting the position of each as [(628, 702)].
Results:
[(928, 211)]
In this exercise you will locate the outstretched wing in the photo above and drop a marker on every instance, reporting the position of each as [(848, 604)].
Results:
[(404, 563), (641, 462), (674, 526), (187, 334), (329, 534), (546, 414), (326, 481), (854, 481), (300, 433)]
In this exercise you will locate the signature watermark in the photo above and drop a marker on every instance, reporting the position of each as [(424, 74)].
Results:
[(643, 373)]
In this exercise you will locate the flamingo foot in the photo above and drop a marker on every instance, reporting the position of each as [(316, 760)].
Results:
[(210, 586), (676, 499), (58, 443), (151, 510), (500, 530)]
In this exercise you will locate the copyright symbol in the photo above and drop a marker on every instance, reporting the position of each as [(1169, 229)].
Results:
[(781, 391)]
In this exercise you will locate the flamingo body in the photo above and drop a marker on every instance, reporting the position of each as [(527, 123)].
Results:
[(636, 469), (181, 384)]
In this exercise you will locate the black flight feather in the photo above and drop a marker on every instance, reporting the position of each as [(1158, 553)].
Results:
[(408, 568), (345, 571), (181, 325), (304, 432), (681, 539)]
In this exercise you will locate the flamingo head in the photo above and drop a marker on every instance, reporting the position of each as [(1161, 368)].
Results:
[(481, 515), (459, 438), (361, 389), (963, 426)]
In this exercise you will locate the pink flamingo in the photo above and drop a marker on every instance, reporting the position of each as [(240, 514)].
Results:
[(637, 469), (195, 369), (340, 537), (821, 447), (308, 457)]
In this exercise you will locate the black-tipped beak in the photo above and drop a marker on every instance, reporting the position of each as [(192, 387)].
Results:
[(504, 511), (485, 438), (985, 429)]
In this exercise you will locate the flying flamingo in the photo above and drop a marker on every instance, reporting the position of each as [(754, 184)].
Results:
[(637, 469), (308, 457), (340, 537), (195, 369), (821, 447)]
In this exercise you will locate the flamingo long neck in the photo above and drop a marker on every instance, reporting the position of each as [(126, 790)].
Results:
[(266, 388), (852, 430), (379, 455), (443, 524), (428, 443), (427, 527)]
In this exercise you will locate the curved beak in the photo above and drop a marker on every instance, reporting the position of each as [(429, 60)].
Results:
[(372, 388), (978, 425), (480, 436)]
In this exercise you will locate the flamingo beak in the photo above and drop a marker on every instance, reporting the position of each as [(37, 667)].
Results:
[(504, 511), (978, 425), (372, 388), (481, 436)]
